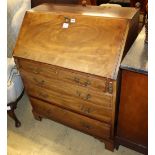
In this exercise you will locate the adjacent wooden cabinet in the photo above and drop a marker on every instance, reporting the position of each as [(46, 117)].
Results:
[(69, 58), (132, 129)]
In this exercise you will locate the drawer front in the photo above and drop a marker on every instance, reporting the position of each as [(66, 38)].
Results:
[(87, 81), (74, 120), (78, 92), (38, 68), (71, 103), (66, 75), (65, 100)]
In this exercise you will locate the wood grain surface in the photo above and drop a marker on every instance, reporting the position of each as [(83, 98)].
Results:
[(71, 74), (133, 113), (89, 102), (71, 119), (38, 2), (73, 77), (82, 93), (118, 12), (90, 38)]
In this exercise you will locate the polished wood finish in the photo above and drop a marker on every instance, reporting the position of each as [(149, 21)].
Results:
[(71, 75), (132, 126), (71, 119), (96, 105), (35, 3), (119, 12), (69, 41), (131, 15), (79, 92), (82, 33), (133, 112)]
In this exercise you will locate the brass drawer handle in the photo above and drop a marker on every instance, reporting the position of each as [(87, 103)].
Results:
[(85, 125), (84, 97), (86, 110), (85, 83), (39, 83)]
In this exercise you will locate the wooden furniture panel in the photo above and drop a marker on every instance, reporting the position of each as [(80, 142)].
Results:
[(52, 93), (65, 101), (85, 80), (35, 3), (133, 112), (131, 15), (69, 76), (79, 92), (132, 127), (71, 119), (38, 68), (79, 59), (134, 107)]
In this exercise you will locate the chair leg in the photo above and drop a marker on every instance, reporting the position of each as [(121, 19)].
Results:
[(12, 114)]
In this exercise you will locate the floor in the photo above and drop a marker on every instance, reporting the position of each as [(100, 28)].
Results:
[(51, 138)]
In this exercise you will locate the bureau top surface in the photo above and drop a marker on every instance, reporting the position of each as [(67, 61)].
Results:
[(137, 58), (93, 44), (117, 12)]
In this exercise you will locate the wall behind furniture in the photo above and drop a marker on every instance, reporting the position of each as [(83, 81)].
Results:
[(15, 13)]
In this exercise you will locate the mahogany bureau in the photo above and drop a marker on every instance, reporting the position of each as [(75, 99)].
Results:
[(69, 58)]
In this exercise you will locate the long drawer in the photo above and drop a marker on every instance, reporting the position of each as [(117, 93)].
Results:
[(84, 94), (58, 94), (68, 102), (66, 75), (74, 120)]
